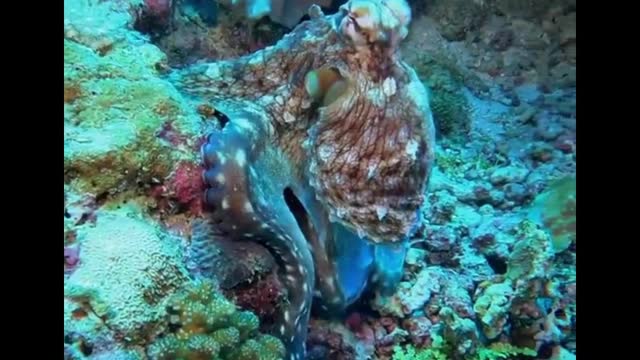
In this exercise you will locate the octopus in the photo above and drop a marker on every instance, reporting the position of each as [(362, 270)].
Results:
[(323, 155)]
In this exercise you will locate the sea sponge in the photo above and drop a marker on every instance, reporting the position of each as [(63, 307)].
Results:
[(128, 269)]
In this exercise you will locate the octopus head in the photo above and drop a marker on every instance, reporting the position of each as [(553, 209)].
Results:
[(367, 22)]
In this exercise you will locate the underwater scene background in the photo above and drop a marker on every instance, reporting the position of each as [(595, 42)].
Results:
[(320, 179)]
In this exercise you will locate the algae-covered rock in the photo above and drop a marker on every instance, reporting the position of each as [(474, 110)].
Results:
[(555, 209), (532, 256), (432, 286), (451, 109), (100, 24), (492, 308), (128, 269), (124, 125), (456, 18)]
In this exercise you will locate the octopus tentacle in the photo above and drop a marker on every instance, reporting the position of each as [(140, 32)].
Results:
[(343, 261), (249, 206), (389, 263), (262, 73)]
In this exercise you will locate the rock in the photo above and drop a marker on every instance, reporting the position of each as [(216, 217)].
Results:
[(528, 93), (457, 18), (419, 329), (124, 125), (497, 197), (516, 192), (444, 205), (540, 151), (548, 132), (566, 143), (442, 238), (451, 288), (529, 36), (564, 75), (486, 210), (508, 174)]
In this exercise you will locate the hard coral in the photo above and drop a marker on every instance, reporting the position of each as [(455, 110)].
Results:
[(127, 270), (204, 325)]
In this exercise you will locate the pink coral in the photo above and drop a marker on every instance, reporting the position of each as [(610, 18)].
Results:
[(263, 297)]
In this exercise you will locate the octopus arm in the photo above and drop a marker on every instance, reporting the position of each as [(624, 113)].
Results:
[(343, 260), (262, 73), (246, 177)]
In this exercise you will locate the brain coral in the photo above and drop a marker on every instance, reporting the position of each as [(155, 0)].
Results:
[(127, 270)]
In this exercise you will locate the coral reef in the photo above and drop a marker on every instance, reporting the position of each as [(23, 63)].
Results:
[(116, 112), (100, 25), (330, 341), (291, 174), (441, 352), (457, 18)]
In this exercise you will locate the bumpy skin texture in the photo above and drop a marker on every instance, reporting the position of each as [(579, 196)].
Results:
[(332, 117)]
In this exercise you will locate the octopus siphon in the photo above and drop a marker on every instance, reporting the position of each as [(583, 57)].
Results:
[(323, 155)]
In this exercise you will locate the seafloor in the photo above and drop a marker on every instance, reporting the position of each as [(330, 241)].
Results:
[(491, 272)]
